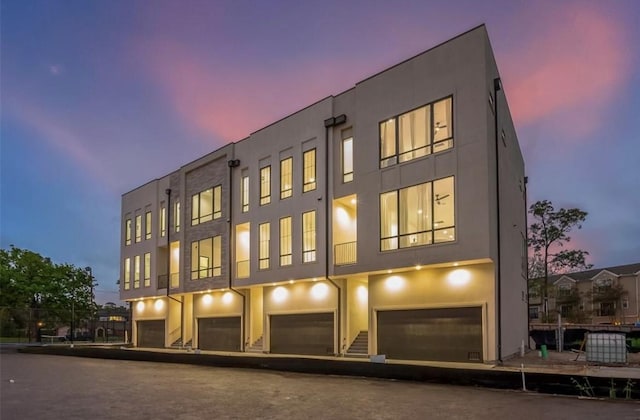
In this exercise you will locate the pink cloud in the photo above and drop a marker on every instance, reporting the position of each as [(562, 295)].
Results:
[(569, 72)]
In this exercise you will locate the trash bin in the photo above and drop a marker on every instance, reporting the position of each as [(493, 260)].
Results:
[(544, 352)]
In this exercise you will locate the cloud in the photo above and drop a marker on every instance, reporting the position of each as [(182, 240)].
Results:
[(569, 72)]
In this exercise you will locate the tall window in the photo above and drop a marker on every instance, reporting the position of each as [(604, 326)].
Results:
[(206, 258), (127, 273), (285, 241), (309, 172), (244, 193), (425, 130), (147, 269), (138, 228), (127, 232), (163, 220), (265, 185), (309, 236), (419, 215), (176, 216), (136, 271), (264, 232), (206, 205), (347, 159), (147, 225), (286, 178)]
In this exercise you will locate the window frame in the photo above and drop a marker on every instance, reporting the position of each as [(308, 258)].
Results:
[(147, 269), (286, 192), (347, 176), (309, 180), (176, 217), (127, 232), (197, 200), (214, 260), (310, 252), (147, 225), (136, 272), (127, 274), (138, 237), (286, 242), (265, 185), (244, 193), (264, 240)]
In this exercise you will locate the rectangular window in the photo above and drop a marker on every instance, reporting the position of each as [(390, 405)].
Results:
[(127, 232), (347, 160), (138, 228), (147, 225), (286, 178), (147, 269), (136, 272), (265, 185), (309, 236), (422, 131), (264, 232), (533, 312), (206, 205), (309, 172), (418, 215), (127, 273), (285, 241), (163, 221), (206, 258), (244, 193), (176, 216)]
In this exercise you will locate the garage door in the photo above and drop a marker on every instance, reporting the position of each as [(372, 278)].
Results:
[(447, 334), (302, 334), (150, 333), (222, 333)]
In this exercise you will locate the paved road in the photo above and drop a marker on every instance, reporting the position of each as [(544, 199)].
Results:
[(46, 387)]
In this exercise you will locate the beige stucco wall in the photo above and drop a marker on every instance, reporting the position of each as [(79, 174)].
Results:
[(357, 308), (256, 314)]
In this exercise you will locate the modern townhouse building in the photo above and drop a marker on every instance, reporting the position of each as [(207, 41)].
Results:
[(388, 219), (607, 295)]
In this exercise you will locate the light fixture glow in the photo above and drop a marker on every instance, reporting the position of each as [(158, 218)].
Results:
[(418, 267), (455, 264), (140, 306), (227, 298), (319, 291), (363, 294), (459, 277), (290, 281), (279, 294), (394, 283), (388, 271), (159, 304), (207, 299), (354, 201)]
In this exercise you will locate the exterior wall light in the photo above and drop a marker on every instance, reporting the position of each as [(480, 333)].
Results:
[(394, 283), (207, 299), (159, 304), (227, 298), (319, 291), (363, 294), (280, 294), (459, 277), (140, 306)]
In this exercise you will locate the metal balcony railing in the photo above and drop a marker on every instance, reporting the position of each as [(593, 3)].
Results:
[(345, 253), (163, 281)]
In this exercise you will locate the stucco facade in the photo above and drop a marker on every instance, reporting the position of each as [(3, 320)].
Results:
[(394, 213)]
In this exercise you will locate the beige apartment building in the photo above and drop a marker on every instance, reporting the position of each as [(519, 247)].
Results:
[(387, 219)]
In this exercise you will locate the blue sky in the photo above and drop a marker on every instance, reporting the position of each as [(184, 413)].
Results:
[(100, 97)]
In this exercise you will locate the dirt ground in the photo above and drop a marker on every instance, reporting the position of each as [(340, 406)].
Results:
[(566, 358)]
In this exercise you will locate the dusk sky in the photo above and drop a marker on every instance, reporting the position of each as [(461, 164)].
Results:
[(99, 97)]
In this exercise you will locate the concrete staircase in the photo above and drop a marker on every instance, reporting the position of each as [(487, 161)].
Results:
[(256, 347), (178, 344), (360, 345)]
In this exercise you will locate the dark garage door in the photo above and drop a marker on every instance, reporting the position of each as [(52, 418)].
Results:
[(222, 333), (447, 334), (151, 333), (302, 334)]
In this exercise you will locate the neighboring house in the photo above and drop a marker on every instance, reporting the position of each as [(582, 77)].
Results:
[(388, 219), (599, 296)]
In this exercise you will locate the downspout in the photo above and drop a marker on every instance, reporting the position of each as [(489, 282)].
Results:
[(168, 233), (497, 87), (330, 123), (234, 163)]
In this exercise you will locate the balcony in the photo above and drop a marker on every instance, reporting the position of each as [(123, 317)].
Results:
[(345, 254), (242, 269)]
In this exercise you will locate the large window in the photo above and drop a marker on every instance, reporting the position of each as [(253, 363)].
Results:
[(147, 225), (127, 273), (206, 205), (138, 228), (206, 258), (127, 232), (147, 269), (309, 172), (285, 241), (309, 236), (176, 216), (244, 193), (418, 215), (347, 159), (286, 178), (265, 185), (425, 130), (264, 232), (163, 220), (136, 272)]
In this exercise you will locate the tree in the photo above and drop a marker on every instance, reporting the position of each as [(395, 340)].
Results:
[(38, 292), (548, 235)]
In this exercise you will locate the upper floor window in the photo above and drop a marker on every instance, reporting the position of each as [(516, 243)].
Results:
[(419, 215), (138, 228), (206, 205), (163, 220), (286, 178), (147, 225), (206, 258), (136, 272), (147, 269), (264, 236), (309, 236), (127, 232), (347, 159), (127, 273), (309, 172), (425, 130), (244, 193), (285, 241), (265, 185), (176, 216)]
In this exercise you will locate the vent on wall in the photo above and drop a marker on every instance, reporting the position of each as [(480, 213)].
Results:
[(473, 356)]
